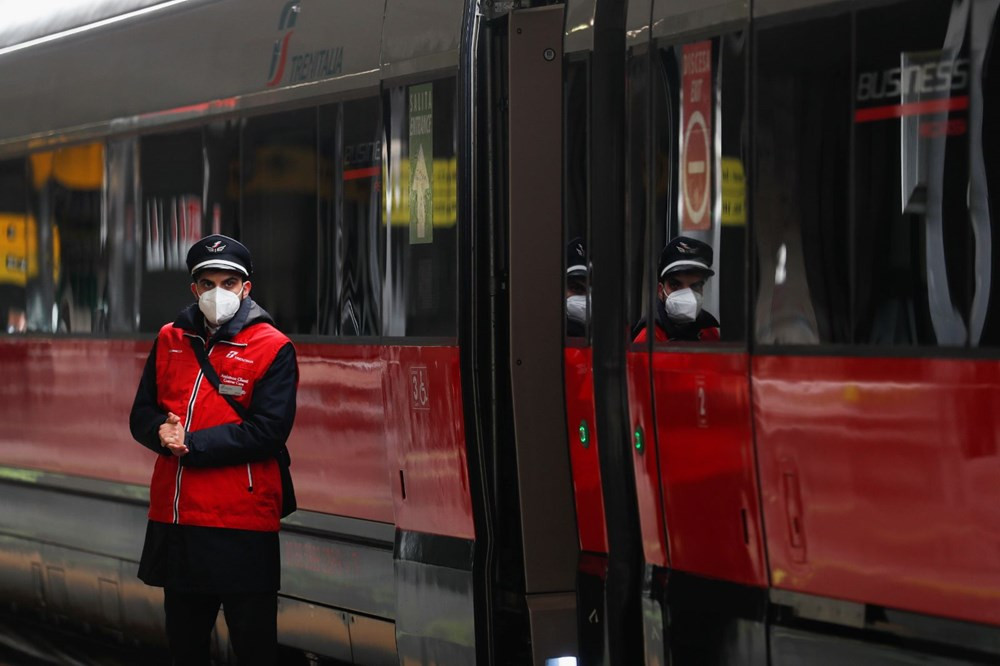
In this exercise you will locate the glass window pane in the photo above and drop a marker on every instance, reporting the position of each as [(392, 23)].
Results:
[(16, 226), (125, 249), (68, 293), (637, 135), (575, 197), (350, 229), (699, 237), (421, 212), (984, 140), (915, 240), (171, 172), (280, 215), (222, 177), (801, 202)]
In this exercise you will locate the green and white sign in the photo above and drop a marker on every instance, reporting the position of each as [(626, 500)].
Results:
[(421, 163)]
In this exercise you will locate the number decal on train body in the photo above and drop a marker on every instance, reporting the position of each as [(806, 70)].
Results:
[(419, 394)]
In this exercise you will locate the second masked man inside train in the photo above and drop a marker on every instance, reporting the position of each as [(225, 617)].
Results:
[(216, 404), (684, 267)]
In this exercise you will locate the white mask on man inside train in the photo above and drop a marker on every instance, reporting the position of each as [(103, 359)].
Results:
[(576, 308), (218, 305), (683, 305)]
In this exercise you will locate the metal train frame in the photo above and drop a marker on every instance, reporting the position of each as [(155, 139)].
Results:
[(504, 494)]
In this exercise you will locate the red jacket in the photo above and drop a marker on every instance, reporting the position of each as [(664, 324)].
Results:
[(230, 478)]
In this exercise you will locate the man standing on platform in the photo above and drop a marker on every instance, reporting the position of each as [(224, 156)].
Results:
[(216, 402)]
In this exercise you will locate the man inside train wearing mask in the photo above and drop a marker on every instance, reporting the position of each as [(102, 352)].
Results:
[(216, 403), (684, 267)]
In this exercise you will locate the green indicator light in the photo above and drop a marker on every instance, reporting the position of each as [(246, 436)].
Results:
[(584, 434), (639, 445)]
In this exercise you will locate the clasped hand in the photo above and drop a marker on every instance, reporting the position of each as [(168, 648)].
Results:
[(172, 435)]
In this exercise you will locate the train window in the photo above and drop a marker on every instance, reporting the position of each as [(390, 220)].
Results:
[(420, 211), (190, 188), (221, 141), (914, 246), (699, 231), (279, 222), (171, 173), (125, 234), (873, 175), (984, 139), (575, 195), (802, 138), (67, 292), (16, 227), (638, 298), (350, 229)]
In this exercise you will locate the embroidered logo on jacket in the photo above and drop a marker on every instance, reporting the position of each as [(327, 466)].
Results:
[(235, 355)]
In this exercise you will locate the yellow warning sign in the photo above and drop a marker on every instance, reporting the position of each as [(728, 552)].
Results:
[(734, 192)]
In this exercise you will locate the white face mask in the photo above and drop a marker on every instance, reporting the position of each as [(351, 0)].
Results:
[(576, 308), (218, 305), (683, 305)]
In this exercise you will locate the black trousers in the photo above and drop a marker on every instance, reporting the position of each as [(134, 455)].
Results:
[(252, 620)]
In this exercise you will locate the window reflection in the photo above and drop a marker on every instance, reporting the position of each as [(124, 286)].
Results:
[(68, 293), (575, 197), (351, 178), (873, 177), (16, 227), (280, 215), (699, 232), (171, 169), (420, 294), (801, 197)]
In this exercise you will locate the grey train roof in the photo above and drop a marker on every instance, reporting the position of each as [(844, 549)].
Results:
[(115, 66)]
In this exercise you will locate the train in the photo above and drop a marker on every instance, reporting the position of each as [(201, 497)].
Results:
[(457, 210)]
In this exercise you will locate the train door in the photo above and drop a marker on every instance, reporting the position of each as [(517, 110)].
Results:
[(638, 199), (547, 526), (578, 358), (692, 429), (608, 578)]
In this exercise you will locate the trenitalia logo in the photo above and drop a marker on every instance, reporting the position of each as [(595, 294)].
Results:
[(289, 14), (308, 66)]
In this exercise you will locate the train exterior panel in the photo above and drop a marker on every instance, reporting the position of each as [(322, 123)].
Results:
[(52, 384), (645, 459), (582, 437), (877, 479), (427, 441), (707, 465), (342, 382)]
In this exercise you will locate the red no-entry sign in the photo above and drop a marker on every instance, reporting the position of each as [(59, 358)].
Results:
[(696, 134)]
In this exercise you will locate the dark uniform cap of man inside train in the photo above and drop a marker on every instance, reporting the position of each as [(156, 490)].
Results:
[(576, 258), (686, 254), (219, 252)]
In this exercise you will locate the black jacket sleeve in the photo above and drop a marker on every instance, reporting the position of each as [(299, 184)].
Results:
[(146, 417), (263, 433)]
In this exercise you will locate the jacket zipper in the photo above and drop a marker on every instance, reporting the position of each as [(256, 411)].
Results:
[(187, 423), (249, 472)]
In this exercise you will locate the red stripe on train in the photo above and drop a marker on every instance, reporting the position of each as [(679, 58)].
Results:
[(911, 109)]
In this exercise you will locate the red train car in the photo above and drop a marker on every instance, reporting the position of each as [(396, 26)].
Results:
[(457, 211)]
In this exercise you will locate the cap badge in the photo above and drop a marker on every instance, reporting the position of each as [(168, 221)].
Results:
[(684, 248), (216, 247)]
